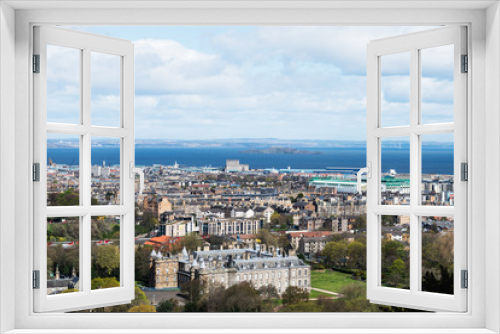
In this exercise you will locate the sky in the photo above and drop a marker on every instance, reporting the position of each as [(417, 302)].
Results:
[(251, 82)]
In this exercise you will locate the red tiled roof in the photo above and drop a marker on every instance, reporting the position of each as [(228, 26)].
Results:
[(310, 234)]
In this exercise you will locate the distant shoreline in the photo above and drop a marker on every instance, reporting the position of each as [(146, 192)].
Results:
[(280, 150)]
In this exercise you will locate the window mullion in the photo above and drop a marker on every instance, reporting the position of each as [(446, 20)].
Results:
[(414, 168), (85, 179)]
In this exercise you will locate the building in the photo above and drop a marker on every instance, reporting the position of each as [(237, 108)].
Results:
[(157, 205), (163, 270), (312, 245), (235, 166), (223, 226), (295, 237), (258, 267)]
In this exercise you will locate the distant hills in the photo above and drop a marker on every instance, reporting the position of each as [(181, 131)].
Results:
[(250, 145)]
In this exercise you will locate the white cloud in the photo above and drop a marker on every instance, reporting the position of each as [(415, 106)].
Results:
[(288, 82)]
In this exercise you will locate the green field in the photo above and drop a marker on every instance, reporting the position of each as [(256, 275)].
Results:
[(330, 281)]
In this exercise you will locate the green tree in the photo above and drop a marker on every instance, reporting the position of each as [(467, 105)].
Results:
[(397, 273), (294, 295), (267, 238), (239, 298), (191, 241), (170, 305), (193, 290), (142, 308), (142, 254), (357, 254), (106, 259), (104, 283), (335, 252)]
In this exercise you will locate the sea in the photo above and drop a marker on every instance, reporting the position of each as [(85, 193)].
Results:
[(434, 160)]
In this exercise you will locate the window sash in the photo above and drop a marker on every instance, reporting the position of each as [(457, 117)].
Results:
[(85, 298), (413, 298)]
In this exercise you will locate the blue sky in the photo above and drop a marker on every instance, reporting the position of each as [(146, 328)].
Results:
[(255, 82)]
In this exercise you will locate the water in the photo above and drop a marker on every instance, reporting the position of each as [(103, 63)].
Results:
[(438, 161)]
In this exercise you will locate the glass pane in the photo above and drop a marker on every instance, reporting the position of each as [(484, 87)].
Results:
[(105, 89), (63, 169), (395, 89), (105, 171), (437, 84), (63, 84), (437, 254), (437, 169), (105, 231), (395, 171), (395, 251), (63, 255)]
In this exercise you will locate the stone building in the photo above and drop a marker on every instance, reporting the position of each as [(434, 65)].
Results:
[(313, 245), (258, 267), (163, 270), (157, 205), (223, 226)]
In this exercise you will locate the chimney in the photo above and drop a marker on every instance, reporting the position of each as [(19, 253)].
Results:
[(206, 246), (292, 252), (198, 248), (191, 257), (221, 246)]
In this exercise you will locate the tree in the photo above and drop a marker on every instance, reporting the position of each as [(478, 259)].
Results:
[(267, 238), (142, 308), (240, 298), (335, 252), (294, 295), (142, 254), (268, 292), (357, 254), (104, 283), (170, 305), (360, 223), (193, 289), (275, 219), (397, 272), (191, 241), (106, 259)]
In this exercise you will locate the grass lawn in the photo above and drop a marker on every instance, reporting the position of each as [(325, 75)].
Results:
[(330, 280), (316, 294)]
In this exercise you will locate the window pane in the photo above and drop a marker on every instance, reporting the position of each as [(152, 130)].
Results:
[(437, 254), (105, 171), (63, 255), (63, 84), (437, 84), (105, 252), (395, 89), (105, 89), (63, 169), (437, 169), (395, 171), (395, 251)]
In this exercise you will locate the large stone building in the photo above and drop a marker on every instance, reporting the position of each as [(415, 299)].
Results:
[(163, 270), (218, 226), (258, 267)]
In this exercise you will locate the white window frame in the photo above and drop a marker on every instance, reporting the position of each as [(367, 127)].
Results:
[(412, 44), (16, 107), (124, 51)]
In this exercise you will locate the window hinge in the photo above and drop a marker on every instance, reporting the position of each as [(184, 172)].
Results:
[(36, 63), (36, 279), (464, 171), (36, 172), (465, 279), (465, 64)]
